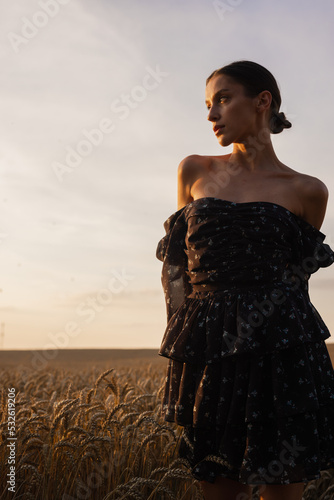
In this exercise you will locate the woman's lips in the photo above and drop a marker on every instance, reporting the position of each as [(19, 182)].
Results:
[(219, 130)]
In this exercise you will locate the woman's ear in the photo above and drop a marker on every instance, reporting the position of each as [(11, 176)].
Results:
[(264, 100)]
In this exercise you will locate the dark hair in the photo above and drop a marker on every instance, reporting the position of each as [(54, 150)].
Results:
[(256, 78)]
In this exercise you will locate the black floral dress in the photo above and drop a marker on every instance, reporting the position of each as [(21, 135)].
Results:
[(249, 375)]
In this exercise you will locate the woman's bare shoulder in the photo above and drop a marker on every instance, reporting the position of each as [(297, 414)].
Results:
[(192, 163), (313, 195), (304, 183), (190, 169), (309, 185)]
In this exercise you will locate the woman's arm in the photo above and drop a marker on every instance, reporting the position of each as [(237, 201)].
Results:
[(187, 173)]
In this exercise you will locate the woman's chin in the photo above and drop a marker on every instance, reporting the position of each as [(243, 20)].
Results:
[(223, 141)]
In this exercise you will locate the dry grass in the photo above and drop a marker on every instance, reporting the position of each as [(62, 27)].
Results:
[(87, 434)]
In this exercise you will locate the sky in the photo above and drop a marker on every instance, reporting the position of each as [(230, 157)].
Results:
[(100, 101)]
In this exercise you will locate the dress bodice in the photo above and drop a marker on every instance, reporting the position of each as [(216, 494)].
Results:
[(215, 244)]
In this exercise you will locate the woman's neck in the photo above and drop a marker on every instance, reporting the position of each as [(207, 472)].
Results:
[(255, 155)]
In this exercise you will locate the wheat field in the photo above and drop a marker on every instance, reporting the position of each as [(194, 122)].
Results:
[(96, 434)]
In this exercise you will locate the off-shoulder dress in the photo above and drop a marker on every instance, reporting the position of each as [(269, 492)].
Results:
[(249, 376)]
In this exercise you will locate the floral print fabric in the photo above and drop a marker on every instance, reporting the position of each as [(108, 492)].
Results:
[(249, 375)]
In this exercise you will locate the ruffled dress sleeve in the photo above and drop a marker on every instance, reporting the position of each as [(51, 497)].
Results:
[(171, 250), (310, 250)]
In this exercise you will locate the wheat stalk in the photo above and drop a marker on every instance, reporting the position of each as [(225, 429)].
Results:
[(71, 425)]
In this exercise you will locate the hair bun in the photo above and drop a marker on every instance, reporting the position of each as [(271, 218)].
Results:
[(278, 122)]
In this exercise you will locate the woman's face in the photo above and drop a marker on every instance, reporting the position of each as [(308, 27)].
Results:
[(232, 113)]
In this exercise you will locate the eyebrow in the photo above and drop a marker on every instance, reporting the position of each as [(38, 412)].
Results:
[(217, 94)]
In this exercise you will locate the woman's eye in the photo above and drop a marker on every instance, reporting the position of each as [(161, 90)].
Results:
[(221, 99)]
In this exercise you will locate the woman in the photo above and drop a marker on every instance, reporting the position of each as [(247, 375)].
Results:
[(249, 375)]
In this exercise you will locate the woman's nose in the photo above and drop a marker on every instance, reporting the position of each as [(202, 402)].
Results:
[(213, 114)]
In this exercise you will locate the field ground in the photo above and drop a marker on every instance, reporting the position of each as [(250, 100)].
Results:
[(81, 358), (75, 358)]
